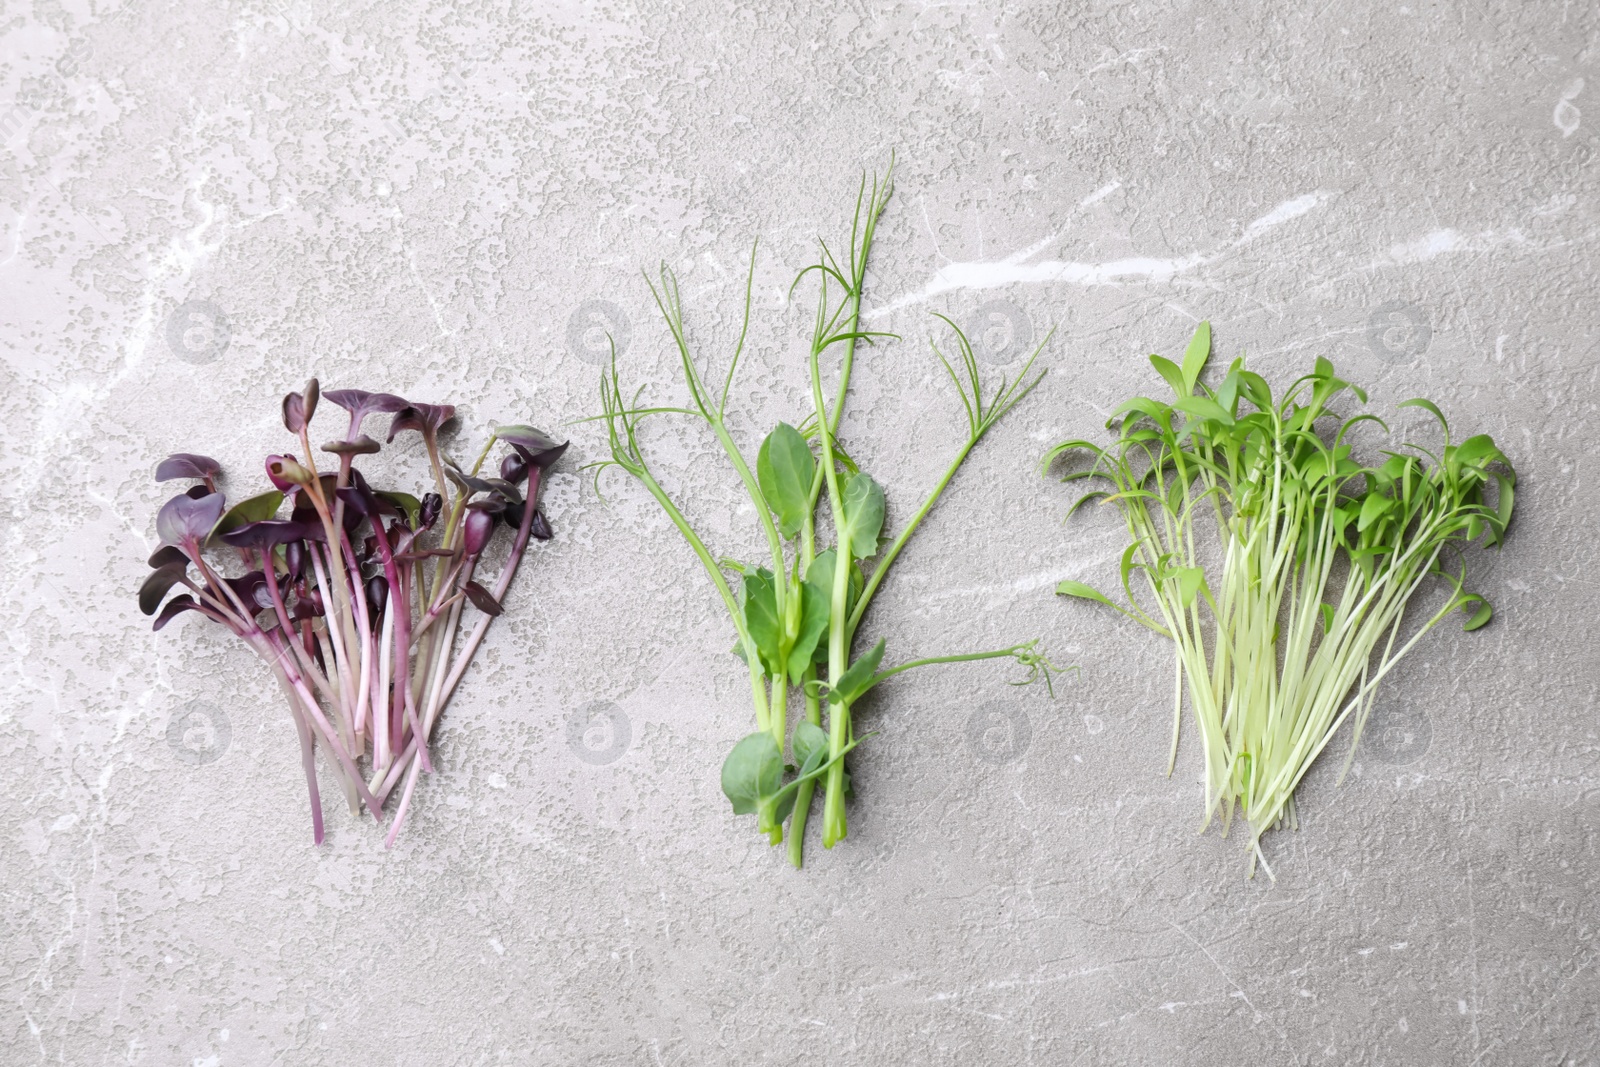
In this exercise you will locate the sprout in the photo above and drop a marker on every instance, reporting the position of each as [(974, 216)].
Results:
[(797, 619), (1289, 636), (353, 601)]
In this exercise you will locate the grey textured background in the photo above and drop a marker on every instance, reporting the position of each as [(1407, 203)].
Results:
[(204, 203)]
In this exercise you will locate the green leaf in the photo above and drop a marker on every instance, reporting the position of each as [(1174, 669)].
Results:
[(820, 574), (1504, 505), (1190, 579), (1195, 356), (784, 468), (1156, 412), (776, 808), (255, 509), (761, 618), (752, 772), (1078, 589), (814, 608), (1228, 391), (1169, 370), (1477, 450), (857, 679), (1431, 408), (1373, 508), (810, 746), (1203, 408), (863, 515), (1481, 617), (409, 505)]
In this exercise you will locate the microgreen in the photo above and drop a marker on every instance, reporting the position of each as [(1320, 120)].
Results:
[(1288, 636), (797, 616), (359, 631)]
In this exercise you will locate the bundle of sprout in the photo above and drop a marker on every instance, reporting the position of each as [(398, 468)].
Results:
[(1321, 558), (797, 618), (354, 601)]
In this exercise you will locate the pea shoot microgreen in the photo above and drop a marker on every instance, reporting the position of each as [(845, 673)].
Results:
[(1289, 635), (797, 616)]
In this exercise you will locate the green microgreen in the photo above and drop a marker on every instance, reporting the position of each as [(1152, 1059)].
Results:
[(797, 615), (1289, 635)]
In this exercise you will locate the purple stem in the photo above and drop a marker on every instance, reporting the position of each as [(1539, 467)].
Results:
[(501, 585), (308, 759)]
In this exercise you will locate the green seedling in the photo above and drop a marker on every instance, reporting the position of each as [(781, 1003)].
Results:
[(797, 617), (1290, 634)]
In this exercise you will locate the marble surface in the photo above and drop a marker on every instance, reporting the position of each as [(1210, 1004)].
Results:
[(202, 204)]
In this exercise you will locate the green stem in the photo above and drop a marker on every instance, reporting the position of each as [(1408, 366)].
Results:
[(802, 802), (752, 657), (967, 657), (889, 557)]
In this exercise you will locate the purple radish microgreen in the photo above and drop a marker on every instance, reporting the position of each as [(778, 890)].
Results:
[(797, 617), (1289, 636), (355, 616)]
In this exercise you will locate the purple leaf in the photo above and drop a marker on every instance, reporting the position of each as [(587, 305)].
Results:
[(476, 529), (175, 607), (466, 481), (361, 446), (299, 407), (535, 447), (294, 560), (308, 605), (357, 503), (252, 589), (507, 492), (183, 520), (417, 554), (159, 584), (424, 418), (359, 400), (377, 594), (167, 554), (360, 403), (305, 509), (482, 599), (285, 472), (294, 412), (187, 465), (514, 468), (541, 527), (432, 504), (267, 533)]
